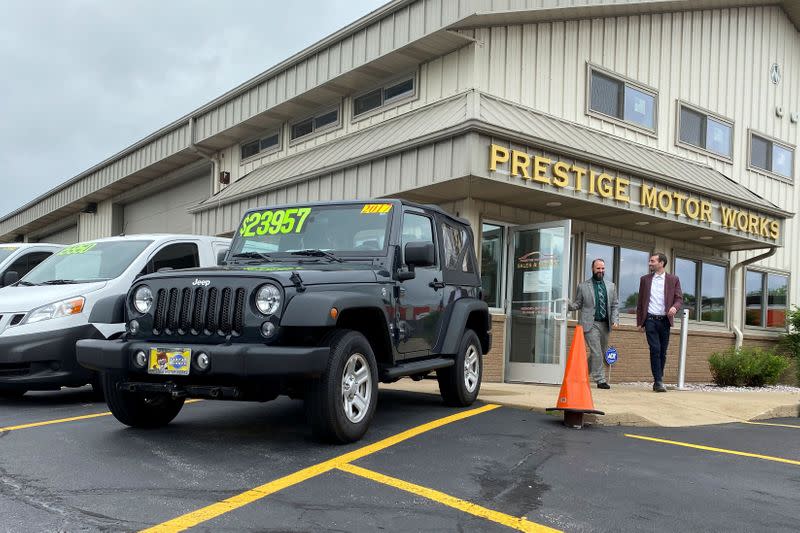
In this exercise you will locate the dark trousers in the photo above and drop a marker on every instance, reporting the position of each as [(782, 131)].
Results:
[(658, 339)]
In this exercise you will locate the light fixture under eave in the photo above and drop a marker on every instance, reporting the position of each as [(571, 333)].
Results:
[(706, 238), (553, 204), (642, 223)]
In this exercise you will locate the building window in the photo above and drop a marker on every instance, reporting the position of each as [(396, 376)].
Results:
[(706, 131), (707, 280), (270, 143), (624, 266), (770, 155), (316, 123), (492, 246), (766, 299), (621, 99), (385, 95)]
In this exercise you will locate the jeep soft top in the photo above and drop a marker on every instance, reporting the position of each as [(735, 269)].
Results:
[(318, 301)]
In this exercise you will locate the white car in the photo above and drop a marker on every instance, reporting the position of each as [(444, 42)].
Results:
[(22, 257), (79, 293)]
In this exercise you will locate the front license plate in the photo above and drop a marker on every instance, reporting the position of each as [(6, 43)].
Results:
[(169, 361)]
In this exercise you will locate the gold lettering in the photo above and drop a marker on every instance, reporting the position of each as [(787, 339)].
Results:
[(580, 172), (620, 190), (728, 217), (665, 201), (540, 165), (705, 212), (762, 226), (693, 208), (560, 174), (752, 227), (592, 180), (741, 220), (649, 196), (775, 229), (520, 161), (604, 187), (679, 198), (498, 154)]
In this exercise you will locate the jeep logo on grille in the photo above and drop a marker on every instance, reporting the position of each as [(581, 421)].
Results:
[(202, 282)]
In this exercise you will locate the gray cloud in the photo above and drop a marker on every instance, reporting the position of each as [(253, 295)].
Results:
[(83, 79)]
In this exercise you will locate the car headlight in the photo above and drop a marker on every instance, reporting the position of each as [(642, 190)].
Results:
[(143, 299), (268, 299), (69, 307)]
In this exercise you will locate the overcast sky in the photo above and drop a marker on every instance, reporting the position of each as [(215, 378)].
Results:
[(84, 79)]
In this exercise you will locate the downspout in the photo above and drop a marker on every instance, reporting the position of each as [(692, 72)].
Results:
[(211, 156), (737, 330)]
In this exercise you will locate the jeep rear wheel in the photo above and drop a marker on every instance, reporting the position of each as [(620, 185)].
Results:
[(460, 384), (340, 404), (137, 409)]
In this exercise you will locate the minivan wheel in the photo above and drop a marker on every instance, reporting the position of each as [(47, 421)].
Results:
[(340, 404), (460, 384), (136, 409)]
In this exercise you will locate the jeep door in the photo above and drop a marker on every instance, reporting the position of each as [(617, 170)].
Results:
[(420, 299)]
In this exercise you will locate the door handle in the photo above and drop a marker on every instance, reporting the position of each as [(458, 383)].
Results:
[(436, 284)]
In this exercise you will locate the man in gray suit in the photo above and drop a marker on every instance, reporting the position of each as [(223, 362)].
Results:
[(599, 304)]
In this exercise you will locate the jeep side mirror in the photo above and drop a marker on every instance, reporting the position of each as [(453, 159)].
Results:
[(419, 254), (9, 278)]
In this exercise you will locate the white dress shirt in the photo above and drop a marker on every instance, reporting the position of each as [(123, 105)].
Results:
[(656, 305)]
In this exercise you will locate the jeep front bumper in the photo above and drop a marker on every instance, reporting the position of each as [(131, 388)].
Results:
[(235, 360)]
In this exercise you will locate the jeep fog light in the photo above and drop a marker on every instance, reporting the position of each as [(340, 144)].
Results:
[(133, 327), (140, 359), (267, 329), (203, 361)]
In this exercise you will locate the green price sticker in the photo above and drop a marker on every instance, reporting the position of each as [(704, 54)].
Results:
[(76, 249), (274, 222)]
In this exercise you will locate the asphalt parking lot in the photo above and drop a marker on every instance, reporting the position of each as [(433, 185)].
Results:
[(422, 467)]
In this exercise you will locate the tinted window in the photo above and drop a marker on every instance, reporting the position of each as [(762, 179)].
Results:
[(416, 228), (718, 137), (302, 128), (606, 95), (492, 246), (759, 152), (268, 142), (401, 89), (692, 127), (777, 287), (686, 270), (639, 107), (632, 266), (249, 149), (598, 251), (781, 160), (367, 102), (453, 242), (713, 291), (175, 256), (754, 292), (327, 118)]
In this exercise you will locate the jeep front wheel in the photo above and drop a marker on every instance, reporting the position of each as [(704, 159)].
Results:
[(341, 403), (459, 384), (137, 409)]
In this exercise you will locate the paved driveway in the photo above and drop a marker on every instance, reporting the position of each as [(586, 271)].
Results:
[(422, 467)]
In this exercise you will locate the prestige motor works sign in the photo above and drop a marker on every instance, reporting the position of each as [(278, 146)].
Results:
[(560, 174)]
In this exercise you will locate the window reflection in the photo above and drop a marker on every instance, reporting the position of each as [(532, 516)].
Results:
[(632, 266), (713, 293), (492, 264), (754, 292), (776, 300)]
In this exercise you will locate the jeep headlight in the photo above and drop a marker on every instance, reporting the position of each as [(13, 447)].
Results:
[(268, 299), (143, 299), (71, 306)]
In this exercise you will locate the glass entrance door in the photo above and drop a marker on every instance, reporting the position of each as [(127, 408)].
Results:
[(539, 272)]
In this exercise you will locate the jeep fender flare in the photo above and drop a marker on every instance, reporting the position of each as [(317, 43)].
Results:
[(457, 323), (311, 309)]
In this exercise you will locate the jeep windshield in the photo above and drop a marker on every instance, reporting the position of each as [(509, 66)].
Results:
[(86, 262), (316, 232)]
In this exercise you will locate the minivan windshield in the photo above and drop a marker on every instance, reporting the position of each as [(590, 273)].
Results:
[(349, 229), (6, 251), (85, 262)]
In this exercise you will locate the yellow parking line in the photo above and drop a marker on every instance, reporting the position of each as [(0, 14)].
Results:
[(520, 524), (214, 510), (771, 424), (718, 450), (63, 420)]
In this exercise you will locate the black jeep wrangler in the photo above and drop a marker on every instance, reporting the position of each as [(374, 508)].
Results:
[(315, 301)]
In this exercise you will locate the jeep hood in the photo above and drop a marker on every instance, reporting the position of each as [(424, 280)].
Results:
[(311, 273), (21, 299)]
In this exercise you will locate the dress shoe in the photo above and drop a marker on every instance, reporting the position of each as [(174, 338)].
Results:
[(659, 387), (603, 385)]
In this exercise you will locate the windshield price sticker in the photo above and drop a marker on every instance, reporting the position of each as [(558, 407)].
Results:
[(76, 249), (274, 222), (376, 208)]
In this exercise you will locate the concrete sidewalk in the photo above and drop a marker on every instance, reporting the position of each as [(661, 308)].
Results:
[(635, 406)]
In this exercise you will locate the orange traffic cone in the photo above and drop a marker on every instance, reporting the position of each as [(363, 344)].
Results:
[(575, 396)]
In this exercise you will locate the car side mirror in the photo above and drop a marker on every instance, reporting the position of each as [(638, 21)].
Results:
[(9, 278), (221, 256), (419, 254)]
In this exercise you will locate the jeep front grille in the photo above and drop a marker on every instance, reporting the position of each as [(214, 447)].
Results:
[(200, 311)]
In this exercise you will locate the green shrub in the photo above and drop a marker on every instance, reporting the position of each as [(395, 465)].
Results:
[(790, 342), (749, 367)]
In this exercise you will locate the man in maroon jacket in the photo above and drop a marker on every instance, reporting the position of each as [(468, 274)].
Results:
[(660, 298)]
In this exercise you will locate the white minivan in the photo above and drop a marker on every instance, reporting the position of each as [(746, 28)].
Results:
[(22, 257), (79, 293)]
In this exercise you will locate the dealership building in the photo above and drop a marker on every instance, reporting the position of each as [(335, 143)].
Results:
[(562, 132)]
